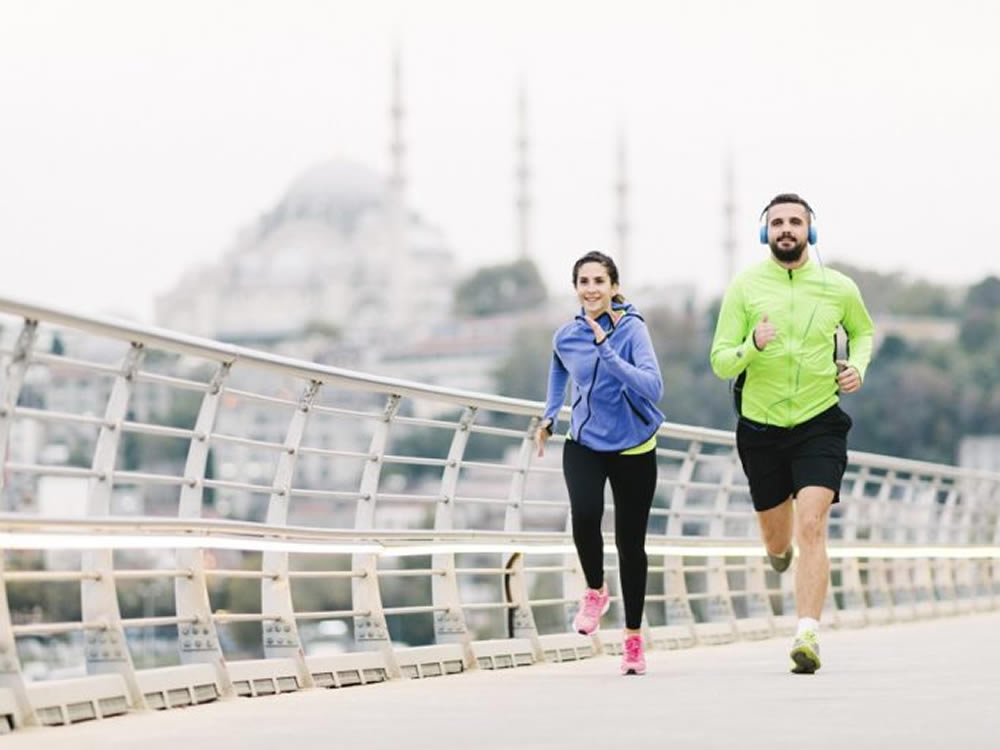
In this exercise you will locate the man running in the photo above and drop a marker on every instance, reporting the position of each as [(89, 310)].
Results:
[(776, 335)]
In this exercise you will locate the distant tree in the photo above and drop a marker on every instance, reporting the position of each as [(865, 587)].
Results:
[(495, 289), (923, 298), (877, 289), (985, 295), (895, 294), (524, 373), (893, 348), (979, 329), (907, 409)]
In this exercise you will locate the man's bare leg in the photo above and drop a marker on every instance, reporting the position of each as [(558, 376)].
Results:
[(776, 526), (812, 576)]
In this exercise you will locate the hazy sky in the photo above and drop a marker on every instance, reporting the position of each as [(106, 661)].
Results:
[(137, 137)]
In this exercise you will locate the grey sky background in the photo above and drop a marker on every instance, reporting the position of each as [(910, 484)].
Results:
[(137, 138)]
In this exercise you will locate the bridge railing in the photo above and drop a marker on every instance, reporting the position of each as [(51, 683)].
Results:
[(187, 520)]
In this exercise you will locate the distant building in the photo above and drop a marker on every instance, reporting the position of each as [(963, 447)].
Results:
[(462, 353), (338, 252)]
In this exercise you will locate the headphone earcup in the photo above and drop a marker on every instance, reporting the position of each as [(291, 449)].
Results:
[(763, 234)]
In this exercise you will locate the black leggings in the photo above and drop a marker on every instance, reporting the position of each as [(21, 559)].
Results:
[(633, 483)]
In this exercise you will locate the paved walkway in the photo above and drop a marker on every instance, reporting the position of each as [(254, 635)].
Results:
[(932, 684)]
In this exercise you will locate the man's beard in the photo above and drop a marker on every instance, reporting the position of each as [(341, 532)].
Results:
[(787, 256)]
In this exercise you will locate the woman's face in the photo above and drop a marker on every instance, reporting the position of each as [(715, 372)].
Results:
[(594, 288)]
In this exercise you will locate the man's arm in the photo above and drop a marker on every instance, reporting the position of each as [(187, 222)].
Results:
[(733, 347), (860, 329)]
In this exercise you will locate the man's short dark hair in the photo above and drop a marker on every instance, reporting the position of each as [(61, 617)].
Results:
[(788, 198)]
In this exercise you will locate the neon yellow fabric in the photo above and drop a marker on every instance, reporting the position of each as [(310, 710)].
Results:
[(795, 377), (645, 447)]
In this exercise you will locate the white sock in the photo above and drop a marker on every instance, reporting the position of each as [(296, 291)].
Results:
[(807, 623)]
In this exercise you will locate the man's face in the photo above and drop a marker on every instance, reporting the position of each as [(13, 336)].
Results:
[(787, 231)]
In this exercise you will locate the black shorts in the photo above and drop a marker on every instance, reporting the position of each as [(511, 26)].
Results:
[(780, 461)]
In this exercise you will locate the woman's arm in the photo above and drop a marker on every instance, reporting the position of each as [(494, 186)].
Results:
[(558, 377), (643, 377)]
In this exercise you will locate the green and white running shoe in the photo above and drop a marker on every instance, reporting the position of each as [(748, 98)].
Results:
[(805, 653)]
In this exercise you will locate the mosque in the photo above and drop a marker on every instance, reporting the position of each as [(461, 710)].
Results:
[(340, 252)]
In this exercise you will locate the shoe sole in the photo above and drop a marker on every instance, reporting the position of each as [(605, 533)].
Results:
[(633, 672), (806, 662), (603, 612)]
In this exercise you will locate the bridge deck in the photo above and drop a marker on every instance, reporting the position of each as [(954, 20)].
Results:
[(927, 684)]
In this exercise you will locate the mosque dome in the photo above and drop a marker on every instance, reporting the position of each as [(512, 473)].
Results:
[(337, 190)]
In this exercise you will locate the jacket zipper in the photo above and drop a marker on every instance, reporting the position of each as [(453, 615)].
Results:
[(590, 391), (637, 412), (791, 355)]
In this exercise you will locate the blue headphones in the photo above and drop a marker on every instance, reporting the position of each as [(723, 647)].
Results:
[(788, 198)]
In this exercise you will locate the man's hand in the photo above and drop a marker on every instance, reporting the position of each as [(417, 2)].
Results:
[(541, 435), (764, 333), (847, 377)]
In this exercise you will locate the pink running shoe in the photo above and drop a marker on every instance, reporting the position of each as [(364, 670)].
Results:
[(633, 661), (592, 606)]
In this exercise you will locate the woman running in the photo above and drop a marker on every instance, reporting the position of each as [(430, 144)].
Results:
[(607, 354)]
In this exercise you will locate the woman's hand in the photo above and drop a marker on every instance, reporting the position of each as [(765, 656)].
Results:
[(541, 435), (599, 333)]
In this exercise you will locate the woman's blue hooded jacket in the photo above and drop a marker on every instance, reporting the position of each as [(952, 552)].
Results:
[(615, 384)]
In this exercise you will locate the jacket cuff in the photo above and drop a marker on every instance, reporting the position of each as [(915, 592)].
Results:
[(747, 351)]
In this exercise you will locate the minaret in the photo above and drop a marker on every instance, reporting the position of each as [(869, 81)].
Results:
[(391, 265), (622, 228), (522, 203), (729, 221), (397, 147)]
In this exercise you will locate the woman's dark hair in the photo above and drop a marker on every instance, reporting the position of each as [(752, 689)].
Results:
[(609, 265)]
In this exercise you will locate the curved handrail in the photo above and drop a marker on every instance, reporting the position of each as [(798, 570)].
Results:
[(913, 539)]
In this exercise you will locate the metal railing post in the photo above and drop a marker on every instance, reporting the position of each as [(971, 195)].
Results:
[(854, 611), (522, 617), (107, 651), (677, 603), (11, 676), (371, 631), (449, 623), (720, 605), (879, 573), (198, 642), (944, 579), (758, 601), (281, 636), (924, 604)]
